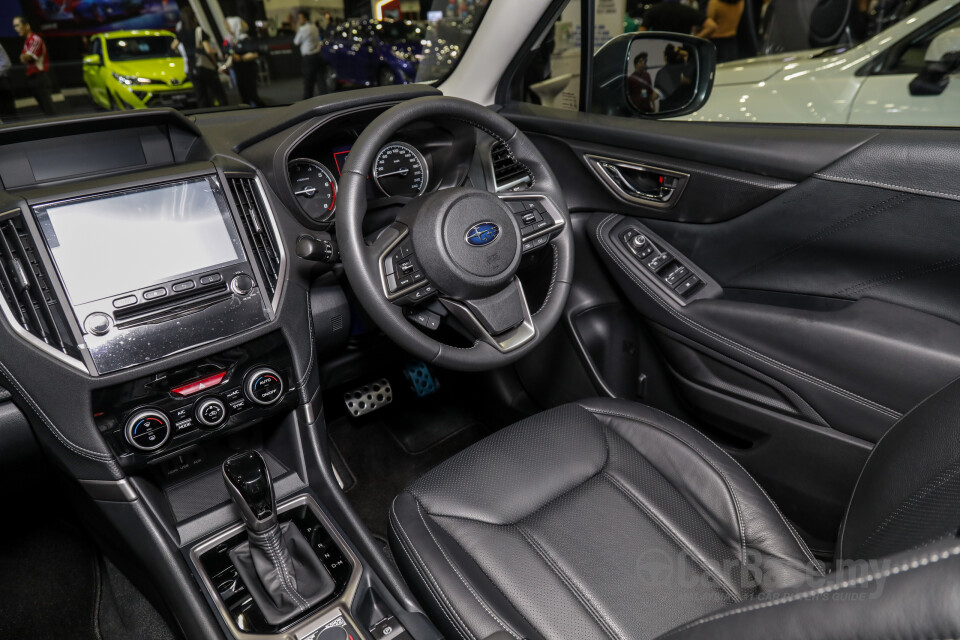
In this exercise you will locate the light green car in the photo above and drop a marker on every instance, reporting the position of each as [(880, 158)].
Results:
[(135, 70)]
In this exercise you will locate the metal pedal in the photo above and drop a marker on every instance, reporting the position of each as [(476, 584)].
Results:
[(369, 397), (420, 378)]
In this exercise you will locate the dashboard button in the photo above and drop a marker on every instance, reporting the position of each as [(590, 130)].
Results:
[(97, 324), (147, 430), (210, 412), (263, 386), (210, 279), (199, 385), (186, 285), (125, 301), (153, 294), (242, 284), (687, 286)]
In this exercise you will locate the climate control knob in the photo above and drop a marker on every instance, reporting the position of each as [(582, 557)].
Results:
[(210, 412), (147, 430), (263, 386)]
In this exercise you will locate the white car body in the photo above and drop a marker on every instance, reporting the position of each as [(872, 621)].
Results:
[(799, 87)]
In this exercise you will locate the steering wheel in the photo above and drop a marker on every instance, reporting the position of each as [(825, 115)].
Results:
[(461, 245)]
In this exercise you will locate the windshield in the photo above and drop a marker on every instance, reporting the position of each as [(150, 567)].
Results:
[(102, 55), (398, 33), (140, 48)]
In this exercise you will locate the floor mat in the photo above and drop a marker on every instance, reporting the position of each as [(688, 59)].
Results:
[(50, 585), (56, 585), (390, 448)]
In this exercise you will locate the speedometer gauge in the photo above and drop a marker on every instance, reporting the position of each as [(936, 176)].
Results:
[(400, 170), (314, 187)]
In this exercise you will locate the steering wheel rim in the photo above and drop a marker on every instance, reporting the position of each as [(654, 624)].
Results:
[(364, 265)]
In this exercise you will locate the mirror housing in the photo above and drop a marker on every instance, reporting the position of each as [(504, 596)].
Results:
[(92, 60), (941, 59), (653, 75)]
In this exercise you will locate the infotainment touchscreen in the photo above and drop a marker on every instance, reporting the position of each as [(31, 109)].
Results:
[(110, 244)]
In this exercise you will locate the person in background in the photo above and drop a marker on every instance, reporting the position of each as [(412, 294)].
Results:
[(34, 56), (640, 85), (674, 17), (727, 14), (308, 39), (200, 60), (8, 105), (242, 60), (329, 27)]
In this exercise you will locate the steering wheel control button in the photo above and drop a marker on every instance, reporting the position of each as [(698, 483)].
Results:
[(97, 324), (427, 319), (421, 294), (213, 278), (211, 412), (186, 285), (125, 301), (263, 386), (242, 284), (147, 430)]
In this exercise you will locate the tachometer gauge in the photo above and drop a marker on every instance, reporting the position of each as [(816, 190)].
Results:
[(400, 170), (314, 187)]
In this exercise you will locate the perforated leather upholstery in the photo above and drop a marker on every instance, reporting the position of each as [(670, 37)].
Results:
[(598, 519)]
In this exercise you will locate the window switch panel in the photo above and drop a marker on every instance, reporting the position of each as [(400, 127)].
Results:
[(676, 274), (659, 261)]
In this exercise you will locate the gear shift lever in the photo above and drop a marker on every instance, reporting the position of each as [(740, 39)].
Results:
[(248, 481), (283, 574)]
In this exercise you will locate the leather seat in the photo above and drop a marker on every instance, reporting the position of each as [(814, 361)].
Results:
[(607, 518)]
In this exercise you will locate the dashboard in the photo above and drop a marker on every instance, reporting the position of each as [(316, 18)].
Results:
[(171, 291), (148, 253)]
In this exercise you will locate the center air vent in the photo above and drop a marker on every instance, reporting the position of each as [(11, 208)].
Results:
[(509, 174), (260, 233), (30, 302)]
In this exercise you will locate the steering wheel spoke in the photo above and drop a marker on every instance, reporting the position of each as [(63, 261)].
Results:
[(402, 278), (502, 320), (537, 216)]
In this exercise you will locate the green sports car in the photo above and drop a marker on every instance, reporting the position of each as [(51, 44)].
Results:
[(135, 70)]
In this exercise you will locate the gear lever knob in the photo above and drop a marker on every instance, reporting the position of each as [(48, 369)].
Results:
[(248, 482)]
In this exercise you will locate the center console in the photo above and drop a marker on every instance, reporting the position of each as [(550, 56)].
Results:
[(154, 328)]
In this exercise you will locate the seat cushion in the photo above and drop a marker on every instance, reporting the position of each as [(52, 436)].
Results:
[(598, 519)]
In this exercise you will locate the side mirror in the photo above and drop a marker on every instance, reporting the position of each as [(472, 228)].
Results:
[(93, 60), (653, 75), (941, 59)]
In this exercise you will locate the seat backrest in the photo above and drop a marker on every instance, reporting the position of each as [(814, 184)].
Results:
[(908, 493)]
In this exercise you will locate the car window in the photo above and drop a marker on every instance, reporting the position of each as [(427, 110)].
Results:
[(779, 61), (223, 54), (139, 48)]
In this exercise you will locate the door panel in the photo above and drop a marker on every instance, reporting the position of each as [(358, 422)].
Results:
[(834, 252)]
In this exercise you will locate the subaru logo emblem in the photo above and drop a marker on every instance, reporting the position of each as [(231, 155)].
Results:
[(482, 234)]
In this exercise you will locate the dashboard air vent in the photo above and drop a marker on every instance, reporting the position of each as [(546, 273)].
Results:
[(256, 224), (509, 174), (26, 289)]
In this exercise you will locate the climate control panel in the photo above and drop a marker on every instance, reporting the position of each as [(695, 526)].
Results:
[(161, 414)]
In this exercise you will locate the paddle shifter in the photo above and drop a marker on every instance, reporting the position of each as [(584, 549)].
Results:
[(277, 565)]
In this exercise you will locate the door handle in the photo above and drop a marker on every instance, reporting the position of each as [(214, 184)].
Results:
[(639, 183)]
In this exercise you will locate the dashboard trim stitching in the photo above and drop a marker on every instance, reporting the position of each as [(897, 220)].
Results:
[(887, 185), (865, 402), (553, 278), (86, 453), (302, 381)]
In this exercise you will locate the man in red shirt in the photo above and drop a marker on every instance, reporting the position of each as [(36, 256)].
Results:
[(34, 55)]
